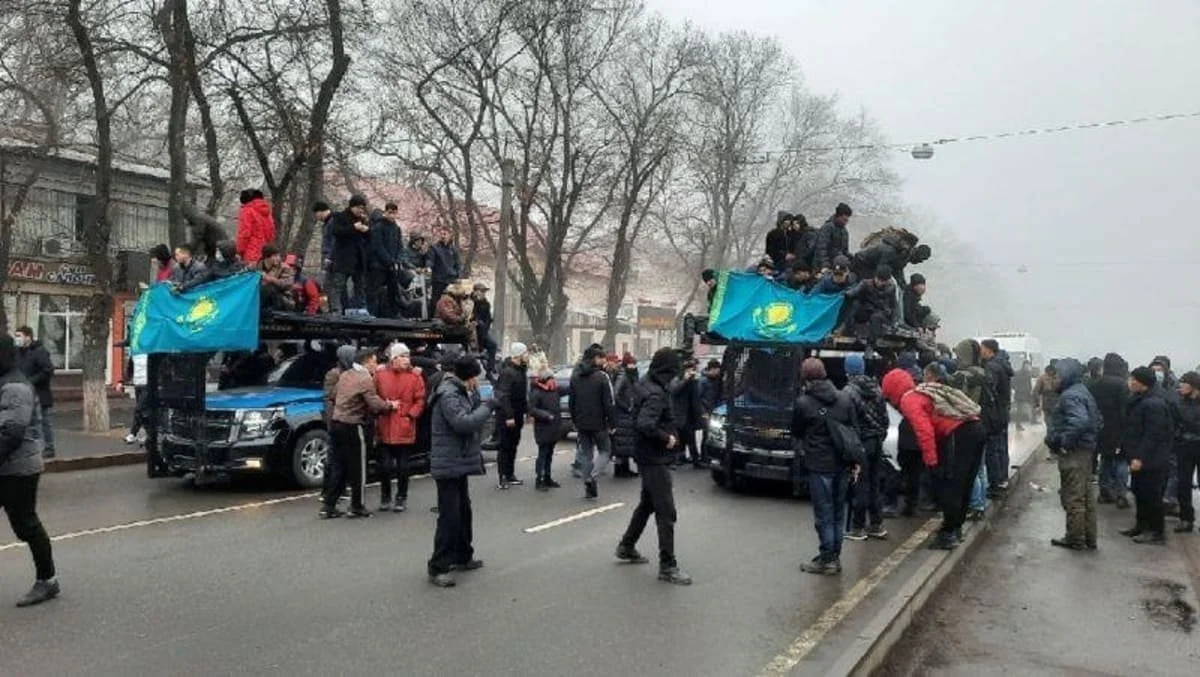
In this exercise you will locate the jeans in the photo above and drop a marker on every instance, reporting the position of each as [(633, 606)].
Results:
[(828, 492), (1147, 494), (350, 448), (1078, 500), (959, 457), (545, 455), (18, 497), (1170, 491), (394, 465), (997, 459), (339, 297), (868, 491), (591, 445), (979, 489), (1188, 461), (453, 536), (506, 455), (1114, 476), (658, 499), (48, 428)]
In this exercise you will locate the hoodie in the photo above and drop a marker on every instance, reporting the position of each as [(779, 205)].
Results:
[(591, 399), (545, 406), (974, 379), (811, 436), (653, 419), (255, 229), (929, 428), (1075, 423), (20, 418), (1111, 392), (870, 407)]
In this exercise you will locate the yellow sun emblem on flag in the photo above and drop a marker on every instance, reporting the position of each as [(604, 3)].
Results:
[(201, 314), (774, 320)]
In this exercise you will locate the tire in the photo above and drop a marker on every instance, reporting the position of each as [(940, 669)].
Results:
[(310, 454)]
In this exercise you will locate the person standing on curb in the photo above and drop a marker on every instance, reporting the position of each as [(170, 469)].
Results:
[(34, 361), (455, 455), (996, 457), (592, 411), (512, 404), (396, 431), (1187, 447), (1149, 435), (866, 517), (21, 468), (355, 401), (656, 444), (1072, 434)]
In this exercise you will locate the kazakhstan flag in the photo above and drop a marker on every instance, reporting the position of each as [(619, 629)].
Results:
[(749, 307), (220, 315)]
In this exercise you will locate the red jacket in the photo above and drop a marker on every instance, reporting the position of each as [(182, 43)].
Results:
[(917, 408), (407, 388), (256, 228)]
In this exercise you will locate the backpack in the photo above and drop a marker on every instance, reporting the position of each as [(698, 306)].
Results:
[(949, 402), (845, 440)]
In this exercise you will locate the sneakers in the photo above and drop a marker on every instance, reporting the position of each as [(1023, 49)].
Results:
[(822, 568), (1132, 533), (502, 485), (131, 439), (1150, 538), (943, 542), (858, 534), (551, 484), (444, 580), (330, 513), (385, 505), (590, 491), (540, 485), (49, 453), (42, 591), (674, 576), (1068, 544), (976, 515), (470, 565), (1185, 528), (358, 513), (512, 481), (401, 505), (630, 555), (1122, 503), (877, 532)]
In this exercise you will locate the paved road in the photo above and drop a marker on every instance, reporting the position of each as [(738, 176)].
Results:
[(1022, 607), (163, 579)]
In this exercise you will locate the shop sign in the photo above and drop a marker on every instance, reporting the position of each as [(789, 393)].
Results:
[(655, 318), (56, 272)]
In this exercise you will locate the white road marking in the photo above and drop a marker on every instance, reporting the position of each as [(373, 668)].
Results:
[(573, 518), (835, 614)]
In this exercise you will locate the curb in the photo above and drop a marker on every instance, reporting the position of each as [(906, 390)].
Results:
[(869, 651), (59, 465)]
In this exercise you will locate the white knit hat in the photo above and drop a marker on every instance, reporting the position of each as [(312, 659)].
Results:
[(398, 350), (518, 349)]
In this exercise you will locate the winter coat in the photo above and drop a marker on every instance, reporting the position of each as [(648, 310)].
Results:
[(545, 406), (385, 249), (1187, 424), (777, 245), (873, 299), (591, 400), (512, 392), (930, 428), (458, 419), (330, 388), (444, 263), (1023, 386), (802, 244), (973, 378), (1111, 393), (810, 430), (188, 276), (356, 400), (915, 313), (869, 407), (20, 426), (349, 246), (624, 441), (832, 241), (654, 422), (449, 311), (1149, 429), (1045, 392), (1075, 423), (407, 388), (685, 402), (34, 362), (888, 251), (827, 285), (255, 229), (1001, 373), (415, 258)]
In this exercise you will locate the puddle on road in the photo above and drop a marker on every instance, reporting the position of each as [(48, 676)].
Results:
[(1167, 608)]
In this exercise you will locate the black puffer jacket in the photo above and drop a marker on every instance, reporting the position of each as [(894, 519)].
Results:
[(385, 244), (802, 243), (1002, 376), (1149, 430), (34, 362), (1111, 393), (591, 399), (889, 251), (811, 432), (685, 402), (512, 393), (832, 241), (869, 406), (349, 245), (625, 439), (654, 421), (1187, 424), (545, 406)]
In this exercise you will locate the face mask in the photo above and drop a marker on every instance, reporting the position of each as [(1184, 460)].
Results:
[(20, 341), (1158, 376), (220, 256)]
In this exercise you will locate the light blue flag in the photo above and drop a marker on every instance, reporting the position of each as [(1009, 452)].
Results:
[(220, 315), (749, 307)]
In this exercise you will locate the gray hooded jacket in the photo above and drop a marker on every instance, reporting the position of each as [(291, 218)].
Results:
[(20, 427)]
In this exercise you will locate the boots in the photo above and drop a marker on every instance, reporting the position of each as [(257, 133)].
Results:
[(630, 555), (674, 575), (42, 591), (540, 484)]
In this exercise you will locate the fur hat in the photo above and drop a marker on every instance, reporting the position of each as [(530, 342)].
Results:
[(812, 369)]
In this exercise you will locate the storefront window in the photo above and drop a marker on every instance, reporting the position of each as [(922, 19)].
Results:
[(60, 329)]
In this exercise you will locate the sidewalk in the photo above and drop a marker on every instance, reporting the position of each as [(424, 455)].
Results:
[(69, 415), (1022, 606)]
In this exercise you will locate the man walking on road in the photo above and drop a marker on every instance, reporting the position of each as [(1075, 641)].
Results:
[(595, 418), (1072, 433), (456, 454), (1149, 435), (1187, 448), (34, 361), (512, 404), (656, 443), (21, 469), (996, 458)]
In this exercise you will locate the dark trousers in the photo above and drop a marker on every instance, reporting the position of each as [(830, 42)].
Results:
[(1147, 495), (350, 450), (18, 497), (688, 450), (545, 456), (140, 413), (997, 459), (911, 469), (506, 455), (658, 499), (452, 539), (394, 462), (868, 490), (959, 457), (339, 297), (436, 290), (48, 429), (1188, 460), (383, 292), (488, 345)]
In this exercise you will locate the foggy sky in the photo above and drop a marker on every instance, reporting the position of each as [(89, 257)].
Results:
[(1105, 220)]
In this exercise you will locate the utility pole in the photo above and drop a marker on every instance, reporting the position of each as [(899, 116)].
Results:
[(500, 298)]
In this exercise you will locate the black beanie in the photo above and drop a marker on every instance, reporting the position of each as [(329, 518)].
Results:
[(708, 274), (916, 279), (781, 216), (1191, 378), (1145, 376), (357, 200), (467, 368), (843, 209)]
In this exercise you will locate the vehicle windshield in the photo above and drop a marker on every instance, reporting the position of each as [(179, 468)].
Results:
[(304, 371), (764, 378)]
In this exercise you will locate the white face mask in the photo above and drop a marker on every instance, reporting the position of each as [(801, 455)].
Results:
[(20, 341), (220, 256)]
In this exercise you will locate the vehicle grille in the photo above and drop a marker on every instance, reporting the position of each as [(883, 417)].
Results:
[(762, 438), (216, 425)]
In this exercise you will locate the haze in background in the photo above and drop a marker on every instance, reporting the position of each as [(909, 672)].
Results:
[(1105, 221)]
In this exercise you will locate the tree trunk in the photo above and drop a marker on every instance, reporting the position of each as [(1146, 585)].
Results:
[(171, 20)]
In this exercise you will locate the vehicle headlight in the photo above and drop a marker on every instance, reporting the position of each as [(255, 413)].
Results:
[(256, 423), (716, 430)]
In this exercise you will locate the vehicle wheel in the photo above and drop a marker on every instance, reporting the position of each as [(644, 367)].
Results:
[(309, 458)]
